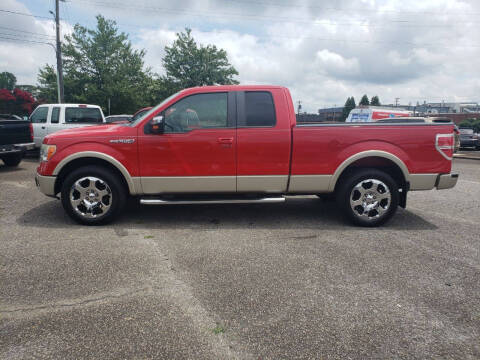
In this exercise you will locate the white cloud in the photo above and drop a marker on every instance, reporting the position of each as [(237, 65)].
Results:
[(323, 51)]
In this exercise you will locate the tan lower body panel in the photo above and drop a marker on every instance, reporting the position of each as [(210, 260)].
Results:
[(422, 181), (261, 183), (188, 184), (310, 183)]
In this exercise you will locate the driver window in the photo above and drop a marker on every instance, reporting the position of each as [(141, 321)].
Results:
[(197, 112)]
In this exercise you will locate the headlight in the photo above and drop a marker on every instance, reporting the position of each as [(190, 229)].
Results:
[(47, 151)]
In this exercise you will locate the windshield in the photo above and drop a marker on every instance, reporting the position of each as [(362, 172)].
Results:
[(155, 108)]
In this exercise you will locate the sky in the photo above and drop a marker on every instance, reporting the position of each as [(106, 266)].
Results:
[(323, 51)]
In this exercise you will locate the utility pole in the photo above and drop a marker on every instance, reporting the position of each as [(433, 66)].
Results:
[(61, 98)]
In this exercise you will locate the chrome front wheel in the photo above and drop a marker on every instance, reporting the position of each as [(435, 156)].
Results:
[(90, 197), (93, 195)]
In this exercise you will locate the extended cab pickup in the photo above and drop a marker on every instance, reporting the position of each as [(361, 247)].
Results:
[(241, 144), (16, 136), (50, 118)]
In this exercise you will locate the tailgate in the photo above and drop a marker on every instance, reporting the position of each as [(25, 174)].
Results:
[(14, 132)]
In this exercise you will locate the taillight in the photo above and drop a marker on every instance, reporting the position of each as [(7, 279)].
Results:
[(31, 131), (444, 144)]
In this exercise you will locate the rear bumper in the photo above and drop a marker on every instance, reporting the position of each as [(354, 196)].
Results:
[(46, 184), (431, 181), (25, 146), (446, 181), (16, 148)]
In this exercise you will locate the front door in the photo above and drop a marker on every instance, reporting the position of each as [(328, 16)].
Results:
[(39, 123), (196, 152)]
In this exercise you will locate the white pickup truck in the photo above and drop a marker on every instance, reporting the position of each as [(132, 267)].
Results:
[(50, 118)]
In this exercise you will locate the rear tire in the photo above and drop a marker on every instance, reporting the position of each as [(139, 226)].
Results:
[(368, 197), (12, 159), (93, 195)]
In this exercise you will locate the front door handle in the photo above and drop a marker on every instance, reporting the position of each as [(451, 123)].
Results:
[(227, 141), (43, 127)]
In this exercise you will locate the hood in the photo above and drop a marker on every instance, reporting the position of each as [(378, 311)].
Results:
[(104, 130)]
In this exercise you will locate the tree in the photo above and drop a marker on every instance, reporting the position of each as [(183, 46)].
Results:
[(7, 80), (188, 64), (99, 65), (375, 101), (349, 105), (16, 102), (472, 124), (364, 100), (47, 80)]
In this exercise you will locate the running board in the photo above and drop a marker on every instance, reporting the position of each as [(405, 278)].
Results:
[(213, 201)]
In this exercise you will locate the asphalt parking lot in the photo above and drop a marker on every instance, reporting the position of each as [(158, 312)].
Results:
[(288, 281)]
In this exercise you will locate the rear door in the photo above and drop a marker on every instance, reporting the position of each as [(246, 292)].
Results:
[(54, 123), (263, 141), (39, 123), (196, 153)]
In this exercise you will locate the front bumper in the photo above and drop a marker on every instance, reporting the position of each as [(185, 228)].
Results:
[(446, 181), (46, 184)]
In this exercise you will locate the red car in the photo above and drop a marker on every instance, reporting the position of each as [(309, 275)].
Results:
[(241, 144), (140, 113)]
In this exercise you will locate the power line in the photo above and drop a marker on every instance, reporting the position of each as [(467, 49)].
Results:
[(295, 6), (24, 14), (28, 32), (255, 17), (12, 39)]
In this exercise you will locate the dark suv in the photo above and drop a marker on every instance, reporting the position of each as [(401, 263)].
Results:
[(468, 138)]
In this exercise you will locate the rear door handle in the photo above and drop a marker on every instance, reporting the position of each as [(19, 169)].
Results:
[(225, 140), (43, 127)]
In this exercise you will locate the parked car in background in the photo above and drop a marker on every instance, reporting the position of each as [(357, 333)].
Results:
[(468, 138), (50, 118), (16, 136), (118, 119), (374, 113), (241, 144), (140, 113)]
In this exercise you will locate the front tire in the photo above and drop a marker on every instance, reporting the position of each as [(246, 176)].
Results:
[(368, 197), (12, 160), (93, 195)]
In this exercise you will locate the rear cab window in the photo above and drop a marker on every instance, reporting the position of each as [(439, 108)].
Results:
[(258, 109), (83, 115)]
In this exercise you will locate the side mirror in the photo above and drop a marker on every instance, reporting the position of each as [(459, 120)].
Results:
[(157, 125)]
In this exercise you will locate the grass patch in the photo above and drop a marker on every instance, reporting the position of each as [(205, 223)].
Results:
[(148, 237), (218, 330)]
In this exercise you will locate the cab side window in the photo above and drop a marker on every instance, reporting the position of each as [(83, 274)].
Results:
[(39, 115), (198, 111), (259, 109), (55, 115)]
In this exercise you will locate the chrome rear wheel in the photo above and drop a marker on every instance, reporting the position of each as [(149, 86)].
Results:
[(370, 198)]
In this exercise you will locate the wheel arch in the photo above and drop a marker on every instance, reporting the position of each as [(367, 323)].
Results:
[(378, 159), (92, 158)]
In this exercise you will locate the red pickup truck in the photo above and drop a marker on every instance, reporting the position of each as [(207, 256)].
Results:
[(241, 144)]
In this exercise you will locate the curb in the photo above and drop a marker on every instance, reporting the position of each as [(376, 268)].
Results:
[(468, 157)]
